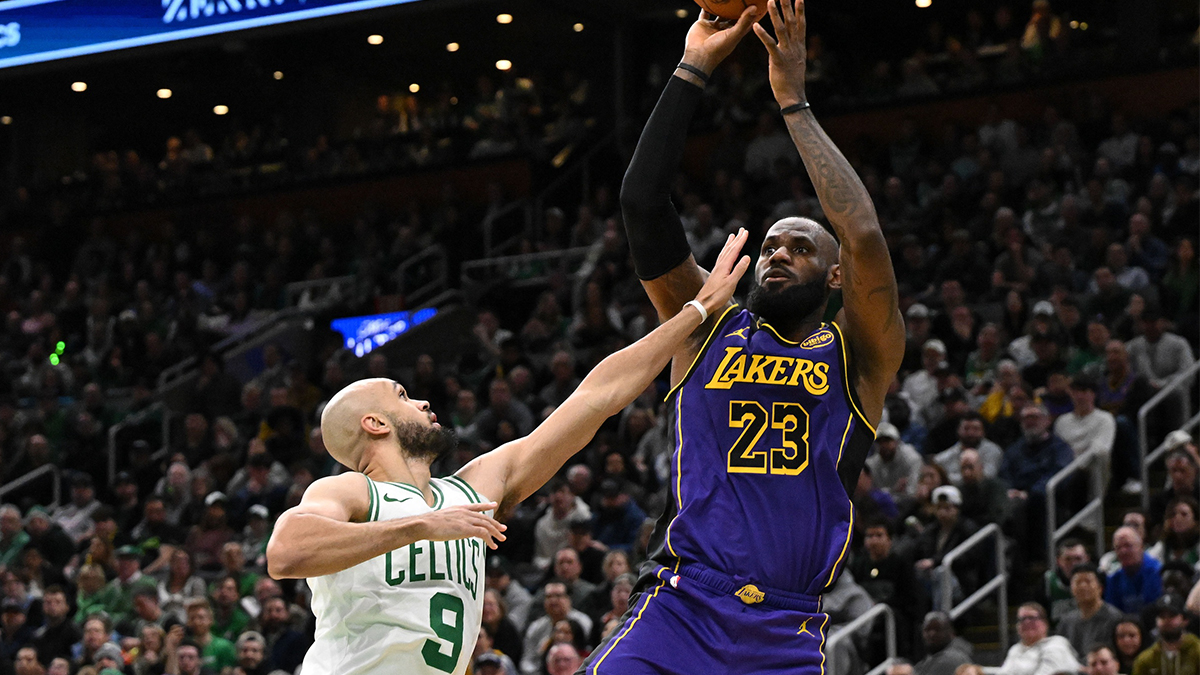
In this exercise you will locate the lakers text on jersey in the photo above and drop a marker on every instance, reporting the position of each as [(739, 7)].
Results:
[(769, 439)]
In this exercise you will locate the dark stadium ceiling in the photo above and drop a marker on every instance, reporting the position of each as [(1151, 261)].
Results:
[(325, 62)]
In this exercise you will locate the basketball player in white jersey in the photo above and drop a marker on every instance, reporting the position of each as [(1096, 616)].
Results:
[(395, 557)]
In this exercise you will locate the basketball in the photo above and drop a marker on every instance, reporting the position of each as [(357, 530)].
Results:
[(732, 9)]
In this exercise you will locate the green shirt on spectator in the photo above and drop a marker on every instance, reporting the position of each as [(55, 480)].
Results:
[(10, 554), (218, 654), (233, 625)]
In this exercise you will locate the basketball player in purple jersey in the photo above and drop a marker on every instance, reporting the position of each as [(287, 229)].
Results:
[(772, 410)]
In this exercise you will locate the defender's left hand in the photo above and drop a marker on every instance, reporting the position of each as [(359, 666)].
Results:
[(787, 50), (728, 270)]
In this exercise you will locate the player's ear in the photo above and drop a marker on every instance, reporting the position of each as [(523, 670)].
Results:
[(375, 424), (834, 278)]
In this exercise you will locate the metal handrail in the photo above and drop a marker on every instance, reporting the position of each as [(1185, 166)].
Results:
[(1092, 462), (436, 253), (504, 262), (583, 166), (1179, 382), (183, 368), (296, 289), (136, 418), (1161, 450), (292, 293), (997, 584), (489, 221), (34, 475), (865, 619)]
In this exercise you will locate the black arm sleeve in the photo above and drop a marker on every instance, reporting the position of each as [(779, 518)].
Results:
[(655, 232)]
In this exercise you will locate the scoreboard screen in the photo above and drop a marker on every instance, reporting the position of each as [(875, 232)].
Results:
[(32, 31)]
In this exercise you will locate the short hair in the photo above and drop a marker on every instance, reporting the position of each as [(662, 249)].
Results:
[(1037, 607), (972, 416), (1181, 453), (102, 617), (938, 616), (877, 522), (9, 508), (139, 592), (54, 588), (198, 603), (1096, 647), (1088, 568), (1066, 544)]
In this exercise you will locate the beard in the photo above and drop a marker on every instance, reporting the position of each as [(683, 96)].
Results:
[(1173, 635), (422, 442), (787, 305)]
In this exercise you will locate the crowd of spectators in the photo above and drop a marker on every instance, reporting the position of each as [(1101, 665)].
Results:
[(546, 116), (502, 116), (1050, 285)]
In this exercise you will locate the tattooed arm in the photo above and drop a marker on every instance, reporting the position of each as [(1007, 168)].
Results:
[(874, 327)]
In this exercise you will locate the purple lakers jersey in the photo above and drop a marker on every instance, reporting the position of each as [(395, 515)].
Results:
[(768, 442)]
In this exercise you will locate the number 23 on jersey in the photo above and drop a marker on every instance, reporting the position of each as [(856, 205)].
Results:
[(790, 419)]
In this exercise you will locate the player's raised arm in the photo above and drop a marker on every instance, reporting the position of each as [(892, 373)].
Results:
[(517, 469), (325, 532), (661, 255), (875, 328)]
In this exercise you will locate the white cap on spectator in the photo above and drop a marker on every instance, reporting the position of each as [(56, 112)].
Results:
[(917, 311), (887, 430), (947, 493), (214, 497), (1177, 439), (934, 344), (1043, 308)]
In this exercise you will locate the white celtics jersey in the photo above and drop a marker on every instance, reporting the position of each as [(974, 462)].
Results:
[(415, 610)]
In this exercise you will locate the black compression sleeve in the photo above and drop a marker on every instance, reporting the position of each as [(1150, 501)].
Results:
[(655, 232)]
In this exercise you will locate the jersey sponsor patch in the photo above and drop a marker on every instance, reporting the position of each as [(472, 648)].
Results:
[(818, 339)]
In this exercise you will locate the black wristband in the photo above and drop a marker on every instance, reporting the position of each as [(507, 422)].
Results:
[(694, 70), (795, 108)]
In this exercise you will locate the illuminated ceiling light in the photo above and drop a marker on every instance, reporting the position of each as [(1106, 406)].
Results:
[(1083, 26), (79, 86), (278, 75), (6, 120), (220, 109), (924, 3), (578, 28), (681, 13), (452, 47), (164, 93), (503, 64), (453, 100), (504, 18), (414, 87), (374, 39)]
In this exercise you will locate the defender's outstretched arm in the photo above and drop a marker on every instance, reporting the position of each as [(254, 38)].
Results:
[(516, 470)]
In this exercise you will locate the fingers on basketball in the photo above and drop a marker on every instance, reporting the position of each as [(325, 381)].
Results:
[(731, 10)]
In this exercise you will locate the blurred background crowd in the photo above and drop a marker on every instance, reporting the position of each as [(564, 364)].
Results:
[(1043, 232)]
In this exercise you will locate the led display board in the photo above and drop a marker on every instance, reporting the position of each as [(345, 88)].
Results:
[(32, 31)]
